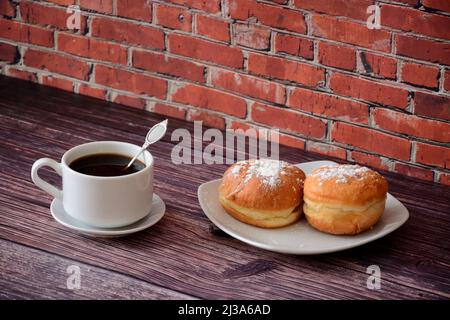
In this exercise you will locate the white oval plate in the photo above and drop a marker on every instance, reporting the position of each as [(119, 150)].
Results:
[(298, 238), (156, 213)]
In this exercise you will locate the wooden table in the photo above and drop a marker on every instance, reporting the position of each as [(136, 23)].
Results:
[(183, 257)]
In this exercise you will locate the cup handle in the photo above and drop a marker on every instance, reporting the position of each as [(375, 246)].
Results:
[(47, 187)]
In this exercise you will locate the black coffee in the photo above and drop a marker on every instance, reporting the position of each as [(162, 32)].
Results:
[(106, 165)]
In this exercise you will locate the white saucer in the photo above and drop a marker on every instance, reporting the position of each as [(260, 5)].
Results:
[(60, 215), (300, 237)]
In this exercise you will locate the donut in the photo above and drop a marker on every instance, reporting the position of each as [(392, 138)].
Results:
[(265, 193), (344, 199)]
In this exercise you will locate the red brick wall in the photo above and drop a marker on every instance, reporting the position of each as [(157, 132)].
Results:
[(309, 67)]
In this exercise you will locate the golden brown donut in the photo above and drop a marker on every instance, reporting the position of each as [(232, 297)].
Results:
[(264, 193), (344, 199)]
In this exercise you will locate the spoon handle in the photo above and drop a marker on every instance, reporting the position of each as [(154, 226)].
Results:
[(144, 146), (153, 135)]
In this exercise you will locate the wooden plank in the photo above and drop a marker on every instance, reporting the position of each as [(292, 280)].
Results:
[(187, 232), (214, 270), (33, 274)]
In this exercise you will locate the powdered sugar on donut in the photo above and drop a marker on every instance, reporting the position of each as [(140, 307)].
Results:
[(341, 173), (268, 171), (236, 169)]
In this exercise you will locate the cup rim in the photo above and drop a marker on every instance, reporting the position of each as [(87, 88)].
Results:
[(66, 165)]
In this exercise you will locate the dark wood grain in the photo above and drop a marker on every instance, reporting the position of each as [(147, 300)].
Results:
[(44, 275), (182, 254)]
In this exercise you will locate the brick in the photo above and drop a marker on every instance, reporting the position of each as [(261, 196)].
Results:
[(238, 125), (94, 92), (420, 75), (377, 65), (444, 178), (415, 21), (245, 128), (369, 90), (370, 160), (211, 6), (211, 99), (413, 3), (328, 105), (253, 131), (35, 13), (279, 1), (283, 139), (293, 142), (371, 140), (287, 120), (173, 17), (7, 8), (21, 74), (8, 53), (326, 149), (59, 83), (158, 62), (212, 27), (134, 102), (63, 2), (247, 85), (205, 50), (53, 62), (251, 36), (284, 69), (208, 119), (135, 9), (355, 9), (351, 32), (19, 32), (92, 48), (170, 111), (128, 81), (268, 15), (433, 106), (433, 155), (443, 5), (427, 50), (105, 6), (391, 120), (248, 129), (413, 171), (447, 80), (296, 46), (126, 32), (337, 56)]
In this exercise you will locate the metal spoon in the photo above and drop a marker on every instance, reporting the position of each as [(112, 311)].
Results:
[(153, 135)]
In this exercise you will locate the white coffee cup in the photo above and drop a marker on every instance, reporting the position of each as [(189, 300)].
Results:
[(104, 202)]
